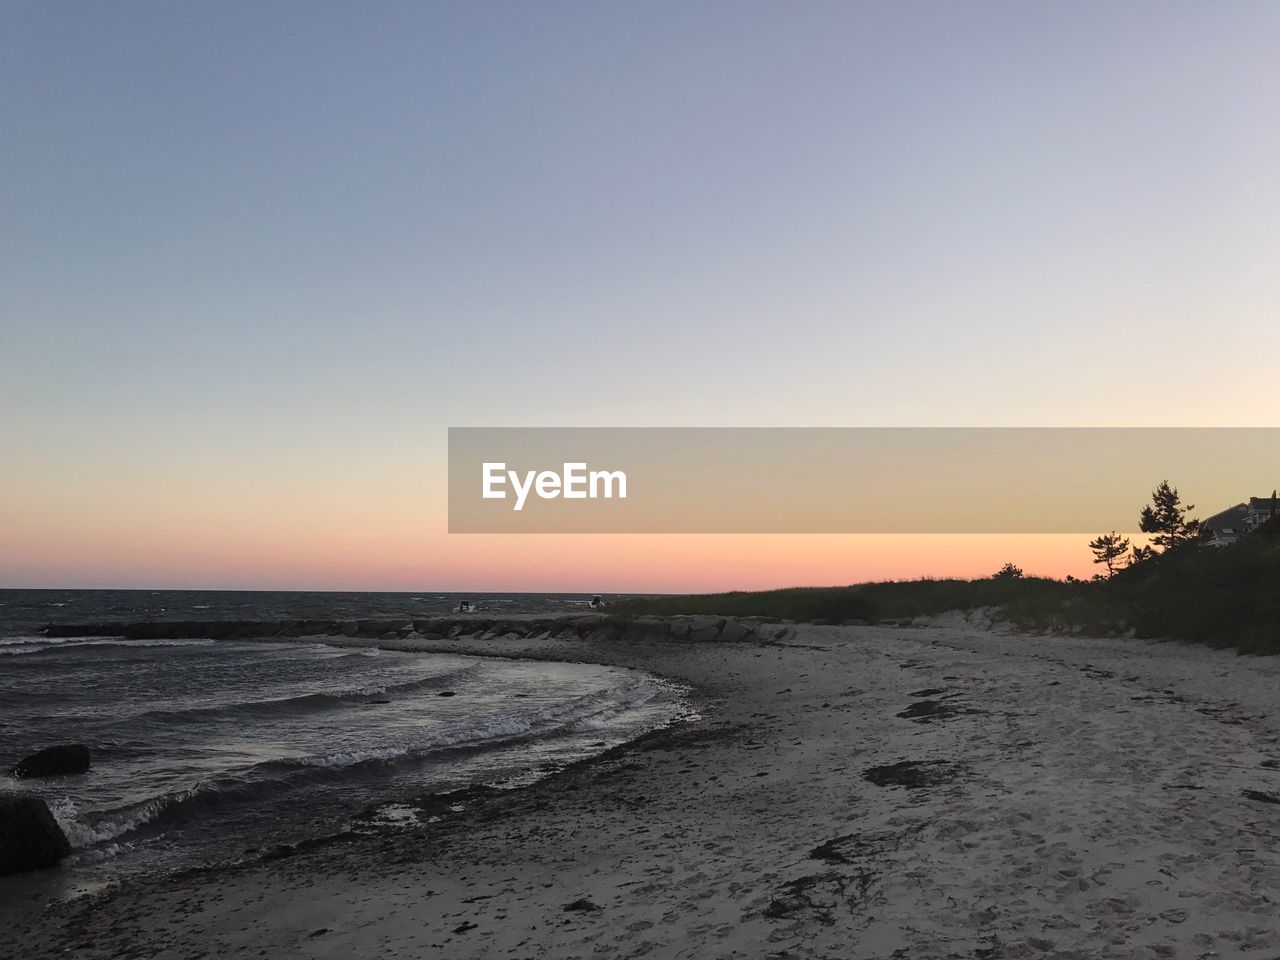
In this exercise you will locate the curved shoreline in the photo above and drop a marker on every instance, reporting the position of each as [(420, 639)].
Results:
[(855, 792), (677, 700)]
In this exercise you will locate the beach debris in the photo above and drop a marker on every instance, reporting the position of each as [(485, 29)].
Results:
[(911, 774), (582, 905), (821, 894), (927, 711), (445, 803), (831, 852), (62, 760), (30, 838), (1260, 796)]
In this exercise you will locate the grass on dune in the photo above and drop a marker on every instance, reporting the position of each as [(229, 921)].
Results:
[(1222, 596)]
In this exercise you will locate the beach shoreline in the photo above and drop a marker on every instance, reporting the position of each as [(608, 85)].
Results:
[(851, 791)]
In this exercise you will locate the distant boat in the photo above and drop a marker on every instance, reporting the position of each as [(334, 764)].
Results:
[(596, 603)]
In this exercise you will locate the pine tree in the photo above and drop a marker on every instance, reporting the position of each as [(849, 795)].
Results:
[(1109, 548), (1139, 554), (1166, 519)]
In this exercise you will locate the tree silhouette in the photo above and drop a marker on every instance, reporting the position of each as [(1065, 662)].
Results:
[(1139, 554), (1008, 572), (1166, 519), (1109, 548)]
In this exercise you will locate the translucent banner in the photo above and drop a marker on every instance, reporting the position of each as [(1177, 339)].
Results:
[(844, 480)]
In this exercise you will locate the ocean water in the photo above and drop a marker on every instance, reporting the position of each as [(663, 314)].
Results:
[(206, 751)]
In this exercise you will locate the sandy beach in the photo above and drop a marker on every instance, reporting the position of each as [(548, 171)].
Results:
[(853, 792)]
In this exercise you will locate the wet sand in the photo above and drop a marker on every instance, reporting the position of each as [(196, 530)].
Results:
[(853, 792)]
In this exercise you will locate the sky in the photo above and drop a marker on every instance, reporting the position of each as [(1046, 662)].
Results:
[(256, 259)]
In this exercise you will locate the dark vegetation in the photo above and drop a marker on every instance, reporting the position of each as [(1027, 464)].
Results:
[(1226, 596)]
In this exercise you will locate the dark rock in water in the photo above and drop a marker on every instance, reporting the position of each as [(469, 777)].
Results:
[(581, 906), (54, 762), (446, 693), (30, 839)]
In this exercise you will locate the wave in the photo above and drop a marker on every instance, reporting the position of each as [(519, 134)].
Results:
[(271, 779), (12, 647), (308, 702), (97, 828)]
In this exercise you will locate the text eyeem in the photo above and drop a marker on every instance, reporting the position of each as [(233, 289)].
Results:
[(576, 482)]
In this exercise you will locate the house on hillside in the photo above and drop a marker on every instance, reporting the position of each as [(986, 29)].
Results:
[(1234, 522)]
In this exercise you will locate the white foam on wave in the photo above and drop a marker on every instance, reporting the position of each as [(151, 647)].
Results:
[(596, 711), (18, 651), (13, 648), (112, 824)]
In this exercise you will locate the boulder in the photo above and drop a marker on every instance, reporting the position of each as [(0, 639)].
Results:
[(704, 628), (605, 633), (57, 761), (30, 839)]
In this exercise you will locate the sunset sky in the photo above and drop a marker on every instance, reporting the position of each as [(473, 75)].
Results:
[(255, 259)]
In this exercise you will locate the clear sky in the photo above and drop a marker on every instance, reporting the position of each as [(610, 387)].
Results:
[(256, 258)]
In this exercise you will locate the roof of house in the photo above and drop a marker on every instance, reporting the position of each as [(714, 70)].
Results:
[(1233, 518), (1263, 503)]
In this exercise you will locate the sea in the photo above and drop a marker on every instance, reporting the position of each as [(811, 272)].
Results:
[(209, 751)]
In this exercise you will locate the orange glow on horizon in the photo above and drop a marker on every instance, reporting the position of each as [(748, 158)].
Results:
[(383, 559)]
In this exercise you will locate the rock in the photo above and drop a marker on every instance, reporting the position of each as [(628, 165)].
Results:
[(54, 762), (581, 906), (705, 620), (733, 631), (30, 839), (606, 633)]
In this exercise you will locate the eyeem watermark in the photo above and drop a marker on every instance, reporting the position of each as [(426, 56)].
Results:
[(758, 480), (574, 482)]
